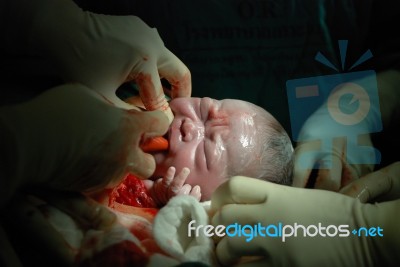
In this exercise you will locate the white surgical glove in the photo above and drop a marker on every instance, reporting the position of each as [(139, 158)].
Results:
[(69, 138), (99, 51), (50, 232), (383, 184), (338, 140), (251, 201)]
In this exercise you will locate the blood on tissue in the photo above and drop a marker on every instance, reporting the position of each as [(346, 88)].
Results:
[(132, 192)]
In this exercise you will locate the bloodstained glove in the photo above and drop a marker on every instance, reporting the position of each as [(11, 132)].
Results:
[(69, 138), (383, 184), (99, 51)]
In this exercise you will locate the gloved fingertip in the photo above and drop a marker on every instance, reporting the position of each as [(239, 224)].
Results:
[(156, 123), (327, 183), (182, 87), (169, 114), (351, 190), (142, 165), (364, 195), (106, 219), (299, 182), (300, 177), (224, 253), (185, 171), (214, 215)]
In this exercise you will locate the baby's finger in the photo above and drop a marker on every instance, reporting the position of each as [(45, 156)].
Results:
[(196, 192), (179, 180), (166, 181), (185, 190)]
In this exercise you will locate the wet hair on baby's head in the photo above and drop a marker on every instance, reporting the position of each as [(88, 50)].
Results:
[(274, 159), (278, 156)]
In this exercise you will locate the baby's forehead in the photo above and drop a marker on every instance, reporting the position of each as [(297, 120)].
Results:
[(255, 121), (237, 106)]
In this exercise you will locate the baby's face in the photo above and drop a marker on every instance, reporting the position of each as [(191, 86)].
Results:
[(209, 137)]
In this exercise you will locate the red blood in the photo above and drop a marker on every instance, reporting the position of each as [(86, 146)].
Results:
[(181, 86), (132, 192)]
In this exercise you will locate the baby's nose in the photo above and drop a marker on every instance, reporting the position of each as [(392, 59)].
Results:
[(191, 130)]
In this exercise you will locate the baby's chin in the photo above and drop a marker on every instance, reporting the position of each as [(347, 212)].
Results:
[(205, 197), (159, 157)]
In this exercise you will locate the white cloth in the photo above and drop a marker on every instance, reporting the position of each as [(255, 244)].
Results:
[(170, 231)]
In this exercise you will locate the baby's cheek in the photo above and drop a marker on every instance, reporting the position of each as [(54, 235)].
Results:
[(243, 161), (209, 189)]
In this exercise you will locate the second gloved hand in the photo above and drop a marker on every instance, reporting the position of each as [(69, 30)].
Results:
[(69, 138), (248, 201), (335, 139), (383, 184), (99, 51)]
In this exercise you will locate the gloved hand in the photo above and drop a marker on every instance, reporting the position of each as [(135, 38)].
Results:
[(98, 51), (69, 138), (383, 184), (251, 201), (35, 227), (336, 139)]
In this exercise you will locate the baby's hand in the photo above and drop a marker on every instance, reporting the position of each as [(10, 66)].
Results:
[(169, 186)]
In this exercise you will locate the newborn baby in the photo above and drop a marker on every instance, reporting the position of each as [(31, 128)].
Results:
[(212, 140)]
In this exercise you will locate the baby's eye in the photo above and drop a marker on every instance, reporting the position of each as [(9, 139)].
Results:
[(206, 147), (214, 148)]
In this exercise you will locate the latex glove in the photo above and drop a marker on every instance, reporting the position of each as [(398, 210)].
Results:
[(69, 138), (28, 227), (338, 140), (251, 201), (99, 51), (383, 184), (163, 189)]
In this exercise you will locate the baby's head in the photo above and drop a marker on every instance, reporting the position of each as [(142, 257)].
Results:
[(218, 139)]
